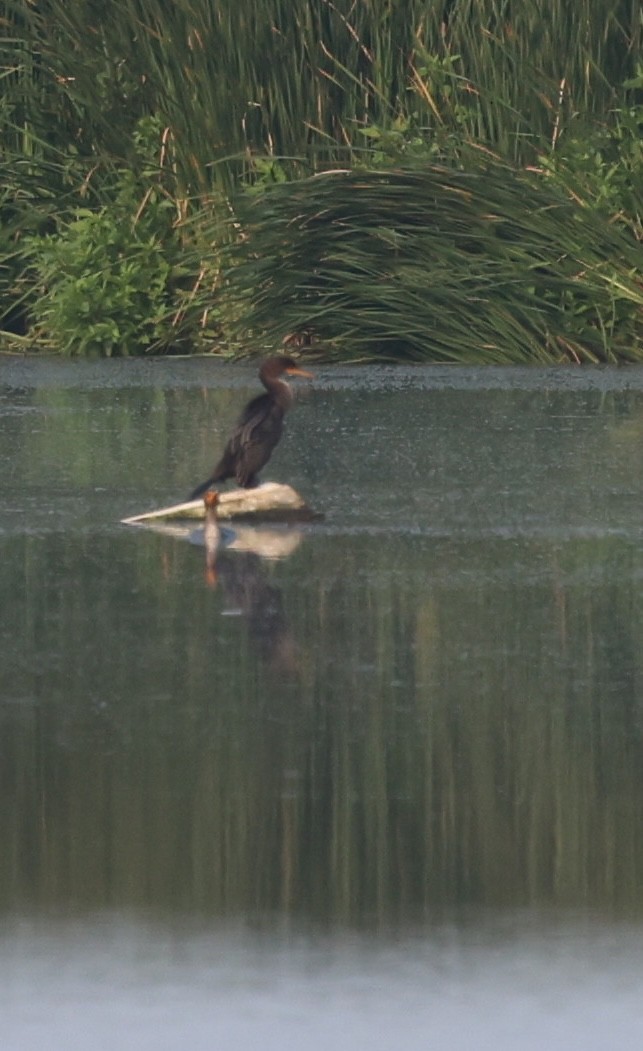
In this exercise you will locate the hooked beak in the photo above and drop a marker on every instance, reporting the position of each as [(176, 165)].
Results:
[(300, 372)]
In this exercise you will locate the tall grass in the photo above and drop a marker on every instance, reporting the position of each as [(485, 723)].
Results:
[(290, 89), (433, 263), (304, 77)]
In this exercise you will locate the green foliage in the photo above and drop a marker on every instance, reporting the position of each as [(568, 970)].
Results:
[(154, 120), (109, 280), (104, 284), (301, 78), (430, 263), (601, 164)]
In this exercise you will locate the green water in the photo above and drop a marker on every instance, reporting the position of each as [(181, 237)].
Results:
[(429, 713)]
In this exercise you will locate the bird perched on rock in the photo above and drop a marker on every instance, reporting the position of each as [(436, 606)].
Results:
[(258, 429)]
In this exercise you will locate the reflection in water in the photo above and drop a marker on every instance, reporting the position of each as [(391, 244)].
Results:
[(211, 536), (243, 580), (425, 722), (464, 727), (433, 703)]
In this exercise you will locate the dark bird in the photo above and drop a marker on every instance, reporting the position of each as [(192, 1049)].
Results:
[(258, 429)]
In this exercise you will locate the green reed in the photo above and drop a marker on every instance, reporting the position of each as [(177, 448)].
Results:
[(305, 78), (433, 263), (294, 88)]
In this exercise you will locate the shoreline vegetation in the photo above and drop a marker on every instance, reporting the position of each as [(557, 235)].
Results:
[(458, 181)]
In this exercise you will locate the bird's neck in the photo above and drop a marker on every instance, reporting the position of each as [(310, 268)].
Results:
[(280, 391)]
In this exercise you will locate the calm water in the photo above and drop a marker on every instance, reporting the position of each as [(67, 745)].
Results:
[(384, 791)]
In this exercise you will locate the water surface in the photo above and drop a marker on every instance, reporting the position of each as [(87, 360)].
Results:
[(385, 788)]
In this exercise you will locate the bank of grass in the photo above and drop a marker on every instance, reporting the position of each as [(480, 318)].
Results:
[(490, 207), (430, 263)]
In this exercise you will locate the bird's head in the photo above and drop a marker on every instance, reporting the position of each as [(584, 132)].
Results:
[(211, 499), (281, 364)]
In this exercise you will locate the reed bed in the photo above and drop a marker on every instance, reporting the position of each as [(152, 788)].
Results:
[(431, 263), (303, 78), (258, 99)]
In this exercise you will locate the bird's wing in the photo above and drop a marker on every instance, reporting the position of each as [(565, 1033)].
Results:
[(257, 433)]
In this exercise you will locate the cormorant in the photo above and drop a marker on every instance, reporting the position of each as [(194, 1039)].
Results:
[(258, 429)]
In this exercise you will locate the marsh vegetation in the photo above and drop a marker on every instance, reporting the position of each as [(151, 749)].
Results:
[(451, 180)]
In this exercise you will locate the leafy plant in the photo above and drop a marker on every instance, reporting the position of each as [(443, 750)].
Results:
[(104, 285), (601, 164), (107, 278)]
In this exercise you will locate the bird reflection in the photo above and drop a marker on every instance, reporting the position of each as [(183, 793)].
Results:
[(242, 578), (212, 536), (258, 429)]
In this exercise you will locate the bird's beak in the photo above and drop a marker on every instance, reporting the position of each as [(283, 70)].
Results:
[(301, 372)]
